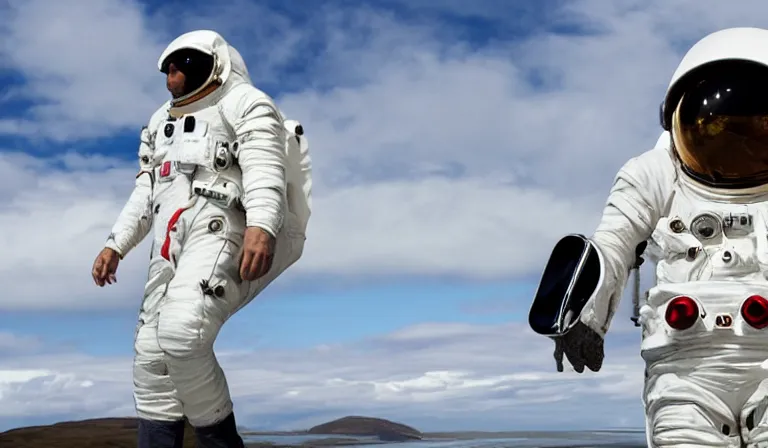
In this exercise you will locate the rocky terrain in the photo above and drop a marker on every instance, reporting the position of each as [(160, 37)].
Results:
[(121, 433)]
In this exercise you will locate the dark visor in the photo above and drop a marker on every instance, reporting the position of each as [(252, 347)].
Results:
[(195, 65), (721, 127)]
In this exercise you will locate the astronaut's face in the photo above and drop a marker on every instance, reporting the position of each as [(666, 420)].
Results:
[(187, 70), (175, 80), (720, 127)]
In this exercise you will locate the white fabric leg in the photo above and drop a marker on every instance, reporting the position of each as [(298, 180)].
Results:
[(154, 393), (198, 300), (202, 294), (682, 414), (754, 418)]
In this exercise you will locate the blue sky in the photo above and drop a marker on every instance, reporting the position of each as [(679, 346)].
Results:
[(453, 144)]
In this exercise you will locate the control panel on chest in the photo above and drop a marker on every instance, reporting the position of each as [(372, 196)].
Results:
[(186, 144), (704, 240)]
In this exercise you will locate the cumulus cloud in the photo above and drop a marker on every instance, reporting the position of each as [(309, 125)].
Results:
[(14, 344), (80, 83), (424, 374), (435, 153), (53, 224)]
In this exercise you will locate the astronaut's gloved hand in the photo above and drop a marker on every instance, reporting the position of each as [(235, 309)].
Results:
[(582, 346)]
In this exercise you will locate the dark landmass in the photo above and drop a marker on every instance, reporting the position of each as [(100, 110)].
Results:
[(353, 430), (96, 433), (385, 430), (121, 433)]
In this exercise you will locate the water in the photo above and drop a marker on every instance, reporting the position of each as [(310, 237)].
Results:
[(553, 440), (299, 439)]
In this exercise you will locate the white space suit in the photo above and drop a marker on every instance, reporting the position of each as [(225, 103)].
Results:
[(701, 199), (213, 162)]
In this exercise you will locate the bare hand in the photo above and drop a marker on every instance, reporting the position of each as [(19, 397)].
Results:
[(105, 267), (258, 252)]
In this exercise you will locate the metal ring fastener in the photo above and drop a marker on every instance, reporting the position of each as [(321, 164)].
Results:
[(676, 225), (215, 225), (706, 226), (223, 159)]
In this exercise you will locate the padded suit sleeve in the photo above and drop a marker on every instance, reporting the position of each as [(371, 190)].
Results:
[(638, 199), (135, 220), (261, 155)]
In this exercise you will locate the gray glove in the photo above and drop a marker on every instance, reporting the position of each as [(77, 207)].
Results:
[(582, 346)]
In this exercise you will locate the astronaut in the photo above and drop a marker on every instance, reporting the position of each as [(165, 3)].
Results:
[(225, 180), (699, 200)]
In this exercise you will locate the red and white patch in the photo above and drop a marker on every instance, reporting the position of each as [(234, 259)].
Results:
[(165, 169), (165, 250)]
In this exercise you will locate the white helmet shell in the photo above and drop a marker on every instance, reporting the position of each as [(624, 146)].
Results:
[(208, 42), (732, 44)]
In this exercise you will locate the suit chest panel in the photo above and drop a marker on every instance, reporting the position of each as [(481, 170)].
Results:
[(190, 142), (706, 240)]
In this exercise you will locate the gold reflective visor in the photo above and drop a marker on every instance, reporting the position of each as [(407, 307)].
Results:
[(727, 150)]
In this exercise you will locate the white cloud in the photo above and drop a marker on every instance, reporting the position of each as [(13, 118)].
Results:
[(472, 226), (10, 343), (82, 83), (433, 155), (53, 223), (440, 370), (61, 209)]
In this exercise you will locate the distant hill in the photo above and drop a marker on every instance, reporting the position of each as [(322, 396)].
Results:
[(368, 426)]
